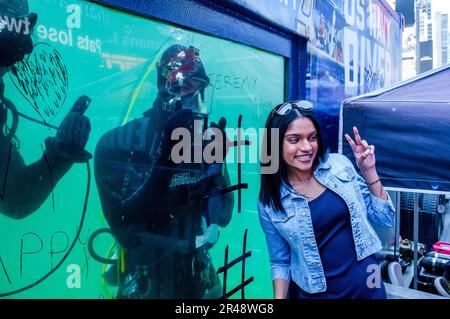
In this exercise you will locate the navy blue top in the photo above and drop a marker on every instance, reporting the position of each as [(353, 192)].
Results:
[(346, 277)]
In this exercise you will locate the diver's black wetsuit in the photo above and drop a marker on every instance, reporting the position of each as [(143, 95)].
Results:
[(25, 188), (155, 210)]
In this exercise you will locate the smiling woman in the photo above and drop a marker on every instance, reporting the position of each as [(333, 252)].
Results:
[(299, 151), (327, 209)]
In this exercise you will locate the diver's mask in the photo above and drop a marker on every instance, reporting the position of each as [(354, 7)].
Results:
[(182, 81), (193, 94)]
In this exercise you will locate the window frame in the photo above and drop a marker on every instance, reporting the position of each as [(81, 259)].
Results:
[(237, 24)]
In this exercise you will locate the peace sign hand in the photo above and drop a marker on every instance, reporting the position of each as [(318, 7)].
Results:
[(363, 152)]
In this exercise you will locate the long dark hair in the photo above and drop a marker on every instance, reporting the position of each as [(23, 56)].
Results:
[(269, 193)]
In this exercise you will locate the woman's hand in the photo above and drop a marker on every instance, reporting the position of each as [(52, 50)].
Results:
[(363, 152)]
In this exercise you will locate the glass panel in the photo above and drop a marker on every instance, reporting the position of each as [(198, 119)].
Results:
[(91, 206)]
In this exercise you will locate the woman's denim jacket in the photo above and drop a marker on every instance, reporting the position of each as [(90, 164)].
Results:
[(290, 237)]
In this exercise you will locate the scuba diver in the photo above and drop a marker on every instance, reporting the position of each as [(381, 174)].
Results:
[(23, 188), (164, 215)]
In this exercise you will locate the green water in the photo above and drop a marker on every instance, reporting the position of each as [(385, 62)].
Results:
[(110, 56)]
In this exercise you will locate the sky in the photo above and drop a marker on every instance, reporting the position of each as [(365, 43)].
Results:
[(436, 5), (440, 5)]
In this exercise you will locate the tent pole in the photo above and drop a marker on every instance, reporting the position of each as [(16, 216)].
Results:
[(416, 235), (397, 225)]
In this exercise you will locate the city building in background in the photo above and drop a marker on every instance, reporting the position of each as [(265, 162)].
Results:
[(425, 31), (441, 38), (409, 53), (425, 35)]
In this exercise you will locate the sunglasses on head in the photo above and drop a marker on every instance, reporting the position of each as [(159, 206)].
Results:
[(285, 108)]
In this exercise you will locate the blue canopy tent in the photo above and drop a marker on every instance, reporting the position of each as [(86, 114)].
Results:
[(409, 124)]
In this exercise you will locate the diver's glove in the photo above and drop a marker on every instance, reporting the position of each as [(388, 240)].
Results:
[(15, 44), (71, 138), (220, 143)]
